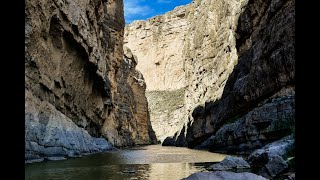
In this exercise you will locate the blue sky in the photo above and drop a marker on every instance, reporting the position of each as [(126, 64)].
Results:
[(144, 9)]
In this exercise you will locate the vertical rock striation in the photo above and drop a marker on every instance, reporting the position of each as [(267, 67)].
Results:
[(238, 61), (75, 77), (203, 46), (259, 93), (158, 44), (131, 124), (210, 56)]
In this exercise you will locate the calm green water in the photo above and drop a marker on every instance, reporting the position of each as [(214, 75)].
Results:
[(147, 162)]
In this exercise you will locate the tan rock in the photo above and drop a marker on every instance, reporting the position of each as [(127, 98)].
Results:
[(74, 63), (265, 73), (158, 44), (235, 56), (195, 42)]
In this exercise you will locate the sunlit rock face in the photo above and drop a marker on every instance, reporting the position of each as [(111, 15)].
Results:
[(197, 40), (78, 83), (237, 59), (261, 88), (158, 43)]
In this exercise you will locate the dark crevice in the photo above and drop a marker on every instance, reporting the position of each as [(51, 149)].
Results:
[(57, 84), (55, 32), (94, 129), (100, 86), (75, 29)]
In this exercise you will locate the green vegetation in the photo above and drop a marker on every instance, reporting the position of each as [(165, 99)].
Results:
[(159, 101)]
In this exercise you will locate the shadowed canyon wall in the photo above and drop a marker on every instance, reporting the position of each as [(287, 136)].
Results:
[(82, 94), (237, 59), (257, 105)]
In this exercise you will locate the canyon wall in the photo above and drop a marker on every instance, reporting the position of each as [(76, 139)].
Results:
[(210, 56), (239, 76), (82, 94), (157, 43), (257, 104), (197, 40)]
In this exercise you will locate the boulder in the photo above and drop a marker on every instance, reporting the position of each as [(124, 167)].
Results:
[(224, 175), (230, 162), (276, 165), (270, 160)]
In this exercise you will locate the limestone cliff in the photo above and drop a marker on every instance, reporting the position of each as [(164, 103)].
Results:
[(238, 63), (158, 44), (211, 55), (258, 97), (80, 90), (197, 40)]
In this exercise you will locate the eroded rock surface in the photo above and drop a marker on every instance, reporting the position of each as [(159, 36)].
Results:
[(50, 133), (158, 44), (239, 63), (198, 41), (78, 85), (274, 158), (166, 112), (262, 125), (230, 163), (265, 73)]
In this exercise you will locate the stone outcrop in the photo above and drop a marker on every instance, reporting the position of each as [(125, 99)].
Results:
[(49, 132), (273, 159), (224, 175), (261, 125), (78, 85), (230, 163)]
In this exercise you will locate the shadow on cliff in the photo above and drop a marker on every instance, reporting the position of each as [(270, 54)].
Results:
[(133, 107), (263, 69)]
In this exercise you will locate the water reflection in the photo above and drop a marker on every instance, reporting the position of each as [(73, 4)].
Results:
[(147, 162)]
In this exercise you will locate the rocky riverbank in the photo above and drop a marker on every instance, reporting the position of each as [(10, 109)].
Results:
[(273, 161)]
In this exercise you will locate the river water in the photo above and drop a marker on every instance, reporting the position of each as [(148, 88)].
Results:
[(153, 162)]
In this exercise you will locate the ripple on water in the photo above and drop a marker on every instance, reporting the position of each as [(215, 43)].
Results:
[(147, 162)]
